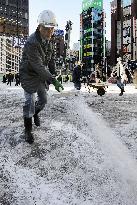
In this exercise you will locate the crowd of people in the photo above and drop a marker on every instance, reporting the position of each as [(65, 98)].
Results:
[(120, 75), (9, 78)]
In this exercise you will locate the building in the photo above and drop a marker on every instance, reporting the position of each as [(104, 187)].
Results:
[(59, 43), (59, 48), (14, 17), (92, 34), (9, 55), (123, 30), (14, 29)]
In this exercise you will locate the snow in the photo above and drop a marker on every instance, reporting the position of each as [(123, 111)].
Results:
[(84, 153)]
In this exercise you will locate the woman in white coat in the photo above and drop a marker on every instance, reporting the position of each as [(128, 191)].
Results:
[(120, 76)]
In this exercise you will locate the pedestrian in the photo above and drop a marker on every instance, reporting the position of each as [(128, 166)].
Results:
[(98, 73), (34, 70), (9, 79), (128, 75), (66, 78), (17, 79), (92, 78), (120, 76), (76, 76), (4, 79)]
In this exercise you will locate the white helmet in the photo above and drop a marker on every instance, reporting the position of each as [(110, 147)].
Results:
[(47, 19)]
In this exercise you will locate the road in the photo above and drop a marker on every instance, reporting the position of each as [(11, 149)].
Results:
[(84, 152)]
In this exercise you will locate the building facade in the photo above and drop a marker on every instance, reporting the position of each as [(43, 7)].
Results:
[(59, 43), (92, 34), (9, 56), (14, 17), (14, 30), (123, 30)]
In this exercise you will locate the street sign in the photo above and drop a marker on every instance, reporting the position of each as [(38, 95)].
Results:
[(59, 32), (18, 41)]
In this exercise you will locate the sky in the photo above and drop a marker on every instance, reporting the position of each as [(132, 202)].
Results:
[(64, 11)]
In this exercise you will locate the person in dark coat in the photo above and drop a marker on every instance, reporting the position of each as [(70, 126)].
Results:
[(17, 79), (76, 76), (34, 70), (9, 79), (128, 75), (66, 78), (4, 79)]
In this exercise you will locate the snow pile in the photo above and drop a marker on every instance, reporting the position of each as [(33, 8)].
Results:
[(80, 155)]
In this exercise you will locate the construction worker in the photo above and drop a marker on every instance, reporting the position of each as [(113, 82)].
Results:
[(34, 70)]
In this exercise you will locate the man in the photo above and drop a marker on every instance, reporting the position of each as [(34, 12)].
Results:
[(34, 70), (9, 79), (76, 76), (17, 79)]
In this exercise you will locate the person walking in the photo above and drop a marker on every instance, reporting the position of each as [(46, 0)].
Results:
[(120, 76), (35, 76), (4, 79), (76, 76), (17, 79), (9, 79)]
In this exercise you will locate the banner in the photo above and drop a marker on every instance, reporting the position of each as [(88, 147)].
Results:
[(86, 4)]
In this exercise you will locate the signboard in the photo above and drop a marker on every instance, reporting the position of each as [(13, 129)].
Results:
[(86, 4), (18, 41), (113, 6), (59, 32)]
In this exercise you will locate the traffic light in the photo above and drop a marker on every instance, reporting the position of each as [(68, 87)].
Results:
[(67, 27), (66, 36), (70, 23)]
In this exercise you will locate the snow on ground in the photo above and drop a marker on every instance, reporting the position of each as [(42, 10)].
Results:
[(84, 153)]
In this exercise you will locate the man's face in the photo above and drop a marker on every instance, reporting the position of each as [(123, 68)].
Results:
[(46, 32)]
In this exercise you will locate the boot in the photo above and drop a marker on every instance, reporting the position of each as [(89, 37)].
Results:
[(28, 128), (36, 118), (122, 90)]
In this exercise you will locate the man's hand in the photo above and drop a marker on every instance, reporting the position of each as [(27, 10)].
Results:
[(57, 85)]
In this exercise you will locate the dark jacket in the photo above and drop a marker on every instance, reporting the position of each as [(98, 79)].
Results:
[(76, 74), (35, 62)]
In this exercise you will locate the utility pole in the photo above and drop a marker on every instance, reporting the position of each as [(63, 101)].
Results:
[(104, 45), (18, 22), (92, 39), (67, 40)]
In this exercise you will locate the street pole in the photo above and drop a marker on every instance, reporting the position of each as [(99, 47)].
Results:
[(79, 57), (92, 41), (67, 41), (18, 22)]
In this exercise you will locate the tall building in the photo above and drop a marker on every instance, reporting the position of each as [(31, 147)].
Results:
[(92, 34), (9, 55), (14, 17), (123, 30), (59, 48), (14, 29), (59, 43)]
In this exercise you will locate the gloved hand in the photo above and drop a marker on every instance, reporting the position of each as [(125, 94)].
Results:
[(57, 85)]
